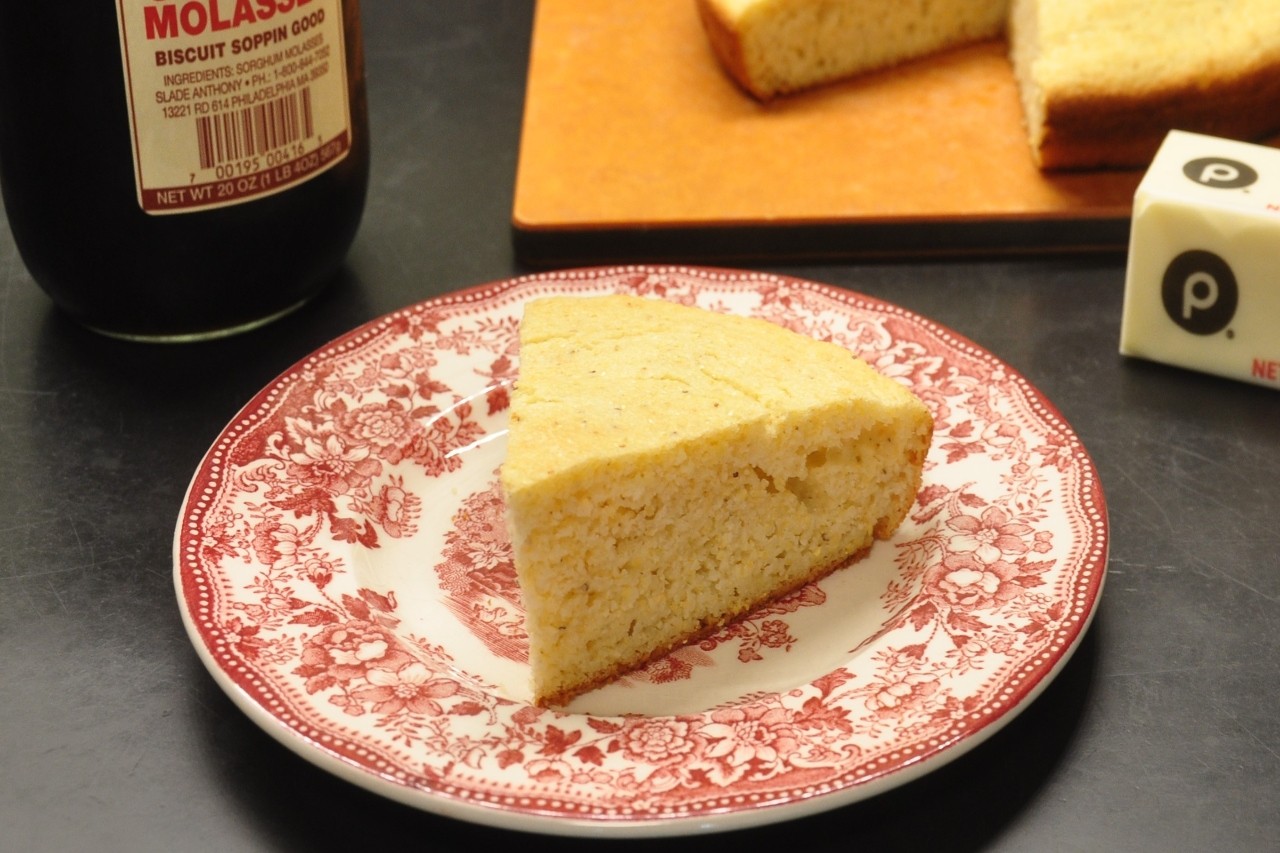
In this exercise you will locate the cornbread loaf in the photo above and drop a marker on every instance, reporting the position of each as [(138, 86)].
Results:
[(1104, 81), (773, 47), (670, 469)]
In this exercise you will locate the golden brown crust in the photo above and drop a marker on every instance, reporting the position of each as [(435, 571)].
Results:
[(564, 697), (1124, 130), (728, 47)]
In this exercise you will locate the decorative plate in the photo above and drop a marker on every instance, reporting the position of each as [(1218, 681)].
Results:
[(343, 570)]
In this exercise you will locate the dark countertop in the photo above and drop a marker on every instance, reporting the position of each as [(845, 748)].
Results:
[(1160, 734)]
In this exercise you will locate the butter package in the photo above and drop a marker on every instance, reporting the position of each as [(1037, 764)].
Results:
[(1202, 288)]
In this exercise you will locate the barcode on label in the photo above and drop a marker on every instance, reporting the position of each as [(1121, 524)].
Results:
[(244, 132)]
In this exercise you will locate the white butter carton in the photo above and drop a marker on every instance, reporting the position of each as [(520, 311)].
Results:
[(1202, 288)]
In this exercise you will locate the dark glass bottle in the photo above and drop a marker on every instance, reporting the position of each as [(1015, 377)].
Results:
[(74, 194)]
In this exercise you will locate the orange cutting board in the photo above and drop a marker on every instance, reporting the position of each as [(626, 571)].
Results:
[(636, 145)]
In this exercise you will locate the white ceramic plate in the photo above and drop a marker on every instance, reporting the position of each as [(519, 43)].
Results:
[(343, 570)]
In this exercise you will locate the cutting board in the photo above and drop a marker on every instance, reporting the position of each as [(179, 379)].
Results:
[(635, 145)]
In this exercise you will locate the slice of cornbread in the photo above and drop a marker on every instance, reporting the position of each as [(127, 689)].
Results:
[(772, 47), (670, 469)]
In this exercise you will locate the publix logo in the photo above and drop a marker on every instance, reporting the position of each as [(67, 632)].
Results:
[(1220, 173), (1199, 292)]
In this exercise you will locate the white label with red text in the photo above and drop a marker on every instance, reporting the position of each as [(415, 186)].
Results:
[(1201, 289), (231, 100)]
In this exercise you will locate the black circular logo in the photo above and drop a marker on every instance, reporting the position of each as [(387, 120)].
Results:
[(1200, 292), (1220, 173)]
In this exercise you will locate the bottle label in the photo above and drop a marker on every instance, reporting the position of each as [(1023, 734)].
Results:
[(231, 100)]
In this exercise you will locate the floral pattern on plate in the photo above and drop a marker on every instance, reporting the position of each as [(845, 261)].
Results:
[(343, 569)]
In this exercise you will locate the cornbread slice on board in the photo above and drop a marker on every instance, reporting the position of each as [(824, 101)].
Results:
[(773, 47), (670, 469)]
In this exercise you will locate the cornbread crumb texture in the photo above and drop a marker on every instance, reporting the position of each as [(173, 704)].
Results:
[(670, 469)]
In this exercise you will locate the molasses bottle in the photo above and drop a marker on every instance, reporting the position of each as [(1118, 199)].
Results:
[(182, 169)]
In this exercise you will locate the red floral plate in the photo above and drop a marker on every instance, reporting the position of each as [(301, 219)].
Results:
[(343, 570)]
